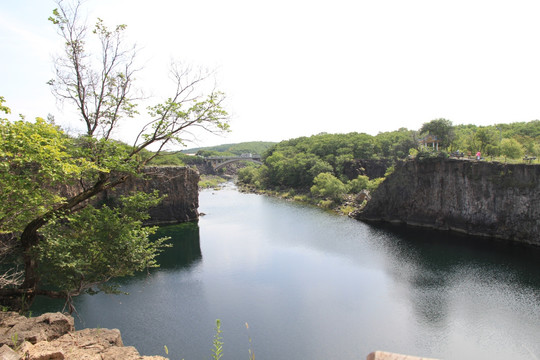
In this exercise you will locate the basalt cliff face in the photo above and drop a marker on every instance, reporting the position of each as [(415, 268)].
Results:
[(178, 184), (478, 198)]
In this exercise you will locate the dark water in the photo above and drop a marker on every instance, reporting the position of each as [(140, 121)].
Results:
[(313, 285)]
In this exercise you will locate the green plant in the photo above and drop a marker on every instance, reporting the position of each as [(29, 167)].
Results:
[(15, 341), (217, 350)]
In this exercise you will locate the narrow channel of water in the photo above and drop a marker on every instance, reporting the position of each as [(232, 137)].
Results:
[(313, 285)]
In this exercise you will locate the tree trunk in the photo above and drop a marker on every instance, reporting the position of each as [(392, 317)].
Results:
[(30, 238)]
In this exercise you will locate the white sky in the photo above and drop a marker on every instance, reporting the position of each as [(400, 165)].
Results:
[(295, 68)]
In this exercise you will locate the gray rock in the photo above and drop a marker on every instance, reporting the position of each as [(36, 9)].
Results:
[(477, 198)]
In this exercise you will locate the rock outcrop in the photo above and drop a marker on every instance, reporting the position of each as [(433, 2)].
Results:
[(477, 198), (52, 336), (180, 185), (370, 167)]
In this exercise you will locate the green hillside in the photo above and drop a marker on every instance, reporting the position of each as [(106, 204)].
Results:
[(253, 147)]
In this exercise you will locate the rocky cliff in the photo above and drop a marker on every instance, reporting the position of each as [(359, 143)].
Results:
[(478, 198), (371, 168), (179, 184), (53, 336)]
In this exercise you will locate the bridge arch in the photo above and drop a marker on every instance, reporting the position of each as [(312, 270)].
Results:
[(227, 162)]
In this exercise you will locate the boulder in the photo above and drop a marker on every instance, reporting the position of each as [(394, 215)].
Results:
[(87, 344), (15, 329), (52, 336)]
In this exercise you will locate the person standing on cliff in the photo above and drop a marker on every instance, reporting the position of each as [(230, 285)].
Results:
[(478, 155)]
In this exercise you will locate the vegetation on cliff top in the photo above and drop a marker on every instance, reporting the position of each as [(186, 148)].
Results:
[(317, 166)]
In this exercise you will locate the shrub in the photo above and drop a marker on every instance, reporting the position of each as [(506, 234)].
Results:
[(327, 185)]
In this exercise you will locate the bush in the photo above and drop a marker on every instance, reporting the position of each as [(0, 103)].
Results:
[(327, 185), (358, 184)]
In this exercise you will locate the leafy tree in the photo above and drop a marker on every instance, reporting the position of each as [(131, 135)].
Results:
[(511, 148), (358, 184), (326, 185), (104, 94), (110, 242), (442, 129)]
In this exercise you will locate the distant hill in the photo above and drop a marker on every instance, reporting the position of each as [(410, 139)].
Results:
[(253, 147)]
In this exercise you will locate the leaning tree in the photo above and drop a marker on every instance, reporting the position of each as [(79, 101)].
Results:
[(69, 246)]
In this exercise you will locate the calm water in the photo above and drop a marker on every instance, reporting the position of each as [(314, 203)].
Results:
[(313, 285)]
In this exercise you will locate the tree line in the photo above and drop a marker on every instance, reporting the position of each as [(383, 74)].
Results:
[(316, 164)]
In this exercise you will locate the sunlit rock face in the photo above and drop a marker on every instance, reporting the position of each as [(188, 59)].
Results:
[(178, 184), (477, 198)]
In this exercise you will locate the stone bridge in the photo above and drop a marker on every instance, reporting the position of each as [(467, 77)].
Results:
[(218, 162)]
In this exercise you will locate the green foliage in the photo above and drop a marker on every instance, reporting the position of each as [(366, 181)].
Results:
[(358, 184), (79, 246), (217, 344), (395, 144), (374, 183), (253, 147), (442, 129), (362, 182), (326, 185), (91, 246), (208, 153), (249, 175), (511, 148), (209, 181), (34, 154)]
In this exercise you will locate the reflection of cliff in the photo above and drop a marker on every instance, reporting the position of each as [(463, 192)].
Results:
[(186, 246), (477, 198), (437, 269)]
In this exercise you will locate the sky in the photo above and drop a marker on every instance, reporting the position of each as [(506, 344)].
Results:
[(295, 68)]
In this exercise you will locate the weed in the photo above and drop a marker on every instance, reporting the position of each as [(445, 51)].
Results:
[(15, 341), (217, 350)]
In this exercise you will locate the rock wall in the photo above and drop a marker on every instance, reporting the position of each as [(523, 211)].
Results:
[(179, 184), (371, 168), (478, 198)]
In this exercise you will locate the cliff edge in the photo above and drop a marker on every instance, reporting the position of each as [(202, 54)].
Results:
[(473, 197), (180, 185)]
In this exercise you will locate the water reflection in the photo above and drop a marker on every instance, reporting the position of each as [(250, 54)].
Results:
[(451, 280), (186, 246), (183, 254)]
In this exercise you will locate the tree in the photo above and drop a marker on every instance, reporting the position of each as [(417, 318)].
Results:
[(103, 92), (485, 138), (442, 129), (360, 183), (511, 148), (326, 185)]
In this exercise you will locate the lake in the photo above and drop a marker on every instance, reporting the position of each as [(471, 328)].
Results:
[(314, 285)]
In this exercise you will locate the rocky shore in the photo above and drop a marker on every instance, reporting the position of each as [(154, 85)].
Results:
[(52, 336)]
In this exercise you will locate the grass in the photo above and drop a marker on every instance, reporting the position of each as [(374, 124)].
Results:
[(210, 181)]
